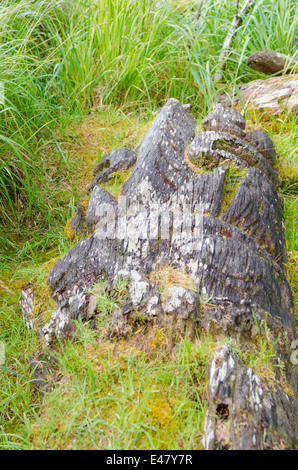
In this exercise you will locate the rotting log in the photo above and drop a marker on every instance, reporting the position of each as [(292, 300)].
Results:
[(271, 62), (273, 95), (224, 229)]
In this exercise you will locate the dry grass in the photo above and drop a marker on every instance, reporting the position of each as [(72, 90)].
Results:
[(168, 276), (86, 142)]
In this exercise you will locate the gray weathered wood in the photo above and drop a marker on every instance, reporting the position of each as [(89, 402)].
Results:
[(273, 95), (241, 406), (224, 231), (270, 62)]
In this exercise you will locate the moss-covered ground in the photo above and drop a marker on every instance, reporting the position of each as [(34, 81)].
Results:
[(133, 394), (81, 79)]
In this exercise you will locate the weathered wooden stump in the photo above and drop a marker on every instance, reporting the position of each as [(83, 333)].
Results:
[(270, 62), (273, 95), (222, 227)]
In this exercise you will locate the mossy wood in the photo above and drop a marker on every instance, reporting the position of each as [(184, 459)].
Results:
[(224, 276)]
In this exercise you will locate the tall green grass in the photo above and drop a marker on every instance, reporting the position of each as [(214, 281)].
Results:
[(54, 53), (55, 56), (28, 117)]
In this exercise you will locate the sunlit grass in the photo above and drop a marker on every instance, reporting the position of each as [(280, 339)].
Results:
[(128, 395), (60, 60), (61, 57)]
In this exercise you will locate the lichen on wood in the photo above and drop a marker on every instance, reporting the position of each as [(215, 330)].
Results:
[(201, 253)]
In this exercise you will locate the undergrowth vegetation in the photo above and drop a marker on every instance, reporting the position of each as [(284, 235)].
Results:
[(127, 395), (59, 58), (81, 79)]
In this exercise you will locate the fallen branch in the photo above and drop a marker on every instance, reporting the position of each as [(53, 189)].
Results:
[(237, 21), (198, 12)]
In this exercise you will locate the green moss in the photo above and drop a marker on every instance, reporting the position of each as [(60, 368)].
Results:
[(44, 303), (168, 276), (96, 135), (196, 168), (69, 233), (161, 413), (234, 178), (84, 203), (158, 339), (130, 399), (116, 182)]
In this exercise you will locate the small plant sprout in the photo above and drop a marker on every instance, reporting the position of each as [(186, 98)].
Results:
[(108, 299)]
